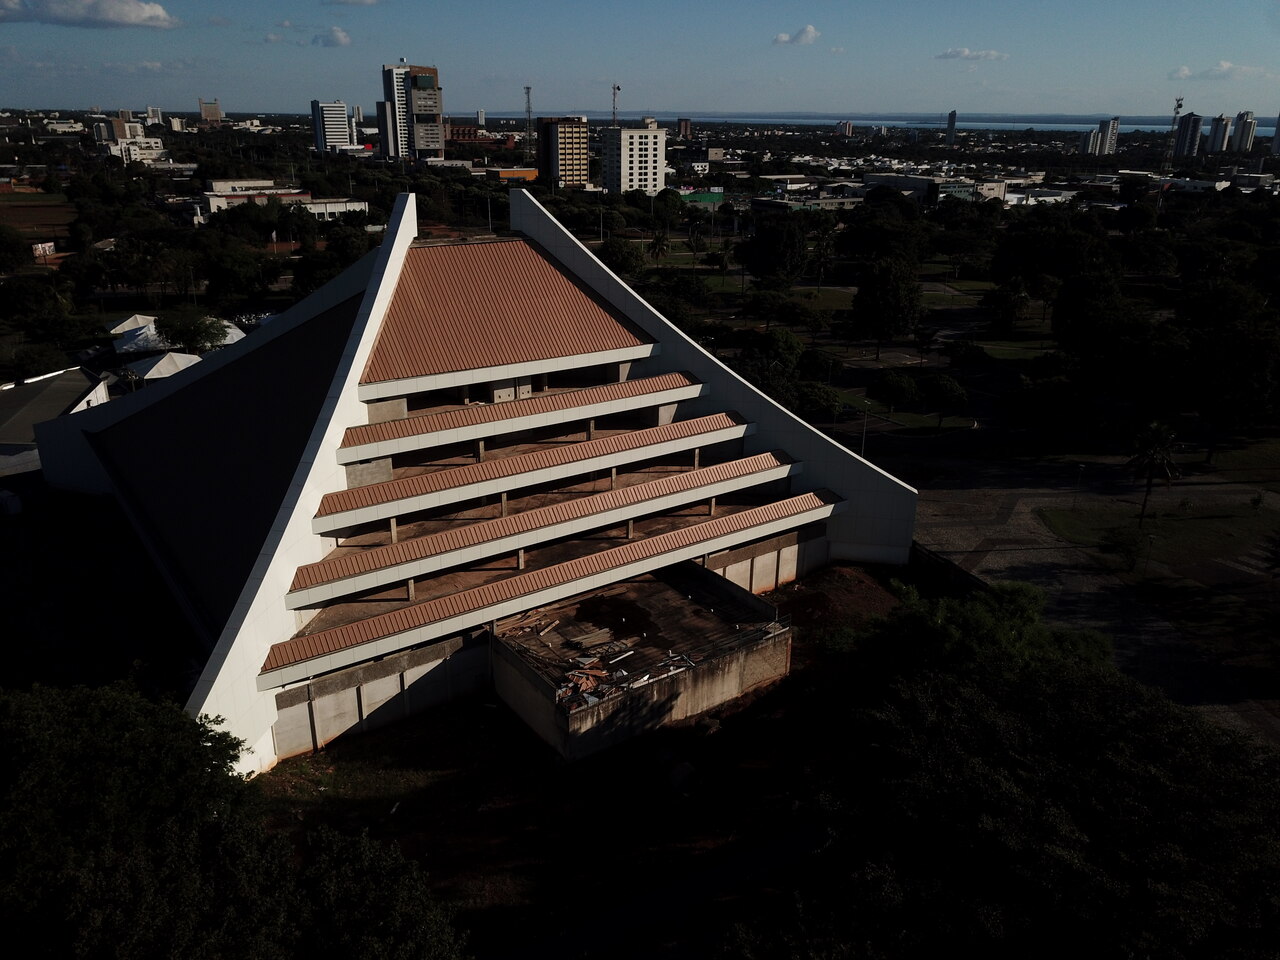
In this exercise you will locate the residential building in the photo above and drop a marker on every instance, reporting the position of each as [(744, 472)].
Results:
[(1108, 136), (634, 158), (951, 128), (563, 157), (480, 458), (1089, 142), (331, 125), (154, 115), (1246, 129), (1219, 135), (684, 128), (411, 113), (844, 128), (1186, 143)]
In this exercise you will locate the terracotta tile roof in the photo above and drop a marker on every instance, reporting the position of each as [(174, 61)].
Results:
[(484, 531), (407, 618), (472, 305), (494, 412), (391, 490)]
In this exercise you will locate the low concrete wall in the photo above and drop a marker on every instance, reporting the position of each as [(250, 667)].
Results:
[(374, 694), (678, 697)]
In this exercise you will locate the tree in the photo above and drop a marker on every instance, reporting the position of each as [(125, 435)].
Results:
[(775, 255), (1153, 457), (622, 256), (659, 246), (887, 303), (946, 394), (125, 832), (191, 331), (15, 249)]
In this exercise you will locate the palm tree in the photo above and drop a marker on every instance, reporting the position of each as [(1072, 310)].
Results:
[(1153, 456), (659, 246)]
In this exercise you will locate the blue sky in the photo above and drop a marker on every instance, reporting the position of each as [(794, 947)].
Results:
[(826, 56)]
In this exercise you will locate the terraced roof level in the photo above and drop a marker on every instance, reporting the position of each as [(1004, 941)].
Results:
[(472, 305), (427, 484), (594, 570), (403, 555), (479, 414)]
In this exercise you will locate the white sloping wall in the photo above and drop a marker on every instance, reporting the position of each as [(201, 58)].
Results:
[(228, 684), (877, 525)]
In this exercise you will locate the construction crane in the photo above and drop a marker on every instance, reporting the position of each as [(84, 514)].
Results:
[(1166, 164), (616, 88)]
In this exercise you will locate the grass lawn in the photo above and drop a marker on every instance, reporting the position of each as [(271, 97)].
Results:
[(1178, 538), (1015, 350), (1252, 461)]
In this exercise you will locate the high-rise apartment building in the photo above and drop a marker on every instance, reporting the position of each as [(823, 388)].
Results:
[(951, 128), (1246, 129), (1187, 141), (1219, 134), (684, 128), (635, 158), (411, 113), (563, 157), (154, 115), (1108, 135), (1089, 142), (331, 125), (844, 128)]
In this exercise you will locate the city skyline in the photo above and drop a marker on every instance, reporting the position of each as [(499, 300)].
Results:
[(995, 56)]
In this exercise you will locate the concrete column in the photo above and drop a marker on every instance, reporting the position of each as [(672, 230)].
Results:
[(466, 393), (591, 429), (624, 370), (479, 451), (395, 531), (613, 478), (503, 511), (520, 559), (697, 457), (410, 592), (631, 529), (711, 512)]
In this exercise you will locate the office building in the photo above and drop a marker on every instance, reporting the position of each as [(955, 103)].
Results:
[(684, 128), (478, 459), (1108, 136), (951, 128), (331, 125), (1246, 129), (480, 119), (211, 111), (563, 157), (411, 113), (1186, 143), (634, 158), (1219, 135)]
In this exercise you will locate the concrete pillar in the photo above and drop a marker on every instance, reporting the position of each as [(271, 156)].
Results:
[(479, 451), (466, 393), (591, 429), (503, 511), (697, 457), (613, 478), (395, 532), (624, 370), (631, 529), (409, 591), (520, 559), (711, 512)]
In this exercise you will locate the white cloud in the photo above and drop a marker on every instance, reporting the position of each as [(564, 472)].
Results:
[(87, 13), (273, 38), (1222, 70), (964, 53), (837, 49), (803, 38), (333, 37), (148, 66)]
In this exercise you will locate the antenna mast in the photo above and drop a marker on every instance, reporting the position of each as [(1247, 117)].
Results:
[(528, 123), (616, 88)]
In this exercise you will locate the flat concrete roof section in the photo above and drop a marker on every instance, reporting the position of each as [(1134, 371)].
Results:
[(597, 668)]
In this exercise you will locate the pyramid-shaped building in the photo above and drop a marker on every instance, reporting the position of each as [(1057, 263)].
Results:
[(464, 463)]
